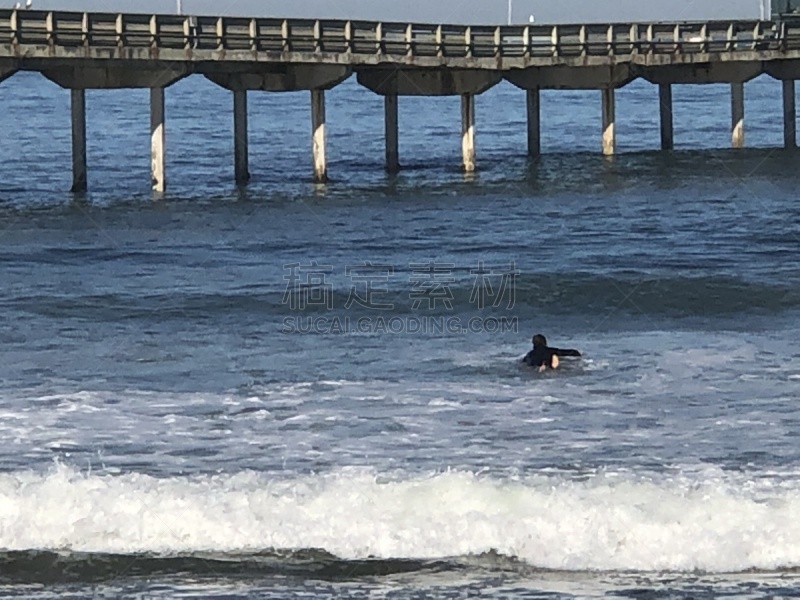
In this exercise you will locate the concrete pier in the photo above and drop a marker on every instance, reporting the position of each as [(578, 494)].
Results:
[(240, 137), (78, 104), (737, 114), (609, 118), (157, 139), (392, 133), (665, 108), (789, 114), (468, 132), (83, 50), (534, 122), (318, 135)]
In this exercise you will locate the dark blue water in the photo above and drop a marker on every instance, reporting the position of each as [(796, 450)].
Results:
[(296, 389)]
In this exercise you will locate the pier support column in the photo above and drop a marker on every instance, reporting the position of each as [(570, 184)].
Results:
[(534, 123), (609, 117), (392, 133), (665, 104), (240, 135), (789, 114), (157, 138), (318, 135), (78, 140), (737, 114), (468, 132)]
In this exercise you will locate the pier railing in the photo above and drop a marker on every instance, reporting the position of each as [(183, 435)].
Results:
[(197, 35)]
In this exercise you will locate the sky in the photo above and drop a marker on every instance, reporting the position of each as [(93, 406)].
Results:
[(441, 11)]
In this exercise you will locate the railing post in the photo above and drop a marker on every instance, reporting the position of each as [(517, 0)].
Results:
[(439, 47), (410, 39), (650, 46), (554, 39), (14, 26), (51, 34), (610, 39), (348, 37), (85, 37), (583, 41), (120, 31), (287, 46), (221, 34), (633, 34), (704, 35), (317, 36), (676, 37), (379, 46), (153, 32), (468, 41), (729, 45), (187, 33), (526, 40), (498, 42), (254, 45)]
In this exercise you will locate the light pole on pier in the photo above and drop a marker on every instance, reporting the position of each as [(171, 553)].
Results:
[(510, 10), (179, 7)]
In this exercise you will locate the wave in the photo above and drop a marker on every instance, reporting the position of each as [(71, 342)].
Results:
[(553, 294), (711, 522)]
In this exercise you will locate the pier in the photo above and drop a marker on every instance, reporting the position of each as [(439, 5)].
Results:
[(80, 51)]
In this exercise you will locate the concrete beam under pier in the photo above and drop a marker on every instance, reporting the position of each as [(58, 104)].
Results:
[(7, 69), (716, 72), (562, 77), (431, 82), (783, 69), (392, 133), (318, 135), (240, 138), (280, 77), (79, 178), (789, 114), (665, 109), (157, 139), (106, 78), (737, 115), (609, 118), (468, 132)]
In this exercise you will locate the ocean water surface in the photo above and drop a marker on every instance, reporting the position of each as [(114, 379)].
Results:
[(290, 390)]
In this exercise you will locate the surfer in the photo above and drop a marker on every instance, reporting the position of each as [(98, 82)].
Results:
[(544, 357)]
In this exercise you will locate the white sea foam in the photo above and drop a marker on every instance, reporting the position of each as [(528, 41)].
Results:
[(606, 522)]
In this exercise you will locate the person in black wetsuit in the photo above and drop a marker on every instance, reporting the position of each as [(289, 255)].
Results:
[(543, 357)]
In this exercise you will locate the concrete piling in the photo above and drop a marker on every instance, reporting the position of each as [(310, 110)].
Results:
[(78, 103)]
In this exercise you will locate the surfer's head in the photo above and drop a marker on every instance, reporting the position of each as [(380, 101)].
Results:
[(539, 340)]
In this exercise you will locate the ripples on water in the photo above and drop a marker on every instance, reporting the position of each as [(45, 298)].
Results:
[(160, 427)]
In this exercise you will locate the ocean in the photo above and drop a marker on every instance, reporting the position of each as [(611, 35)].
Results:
[(291, 390)]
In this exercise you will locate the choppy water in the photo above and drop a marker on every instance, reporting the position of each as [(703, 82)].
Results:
[(183, 417)]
